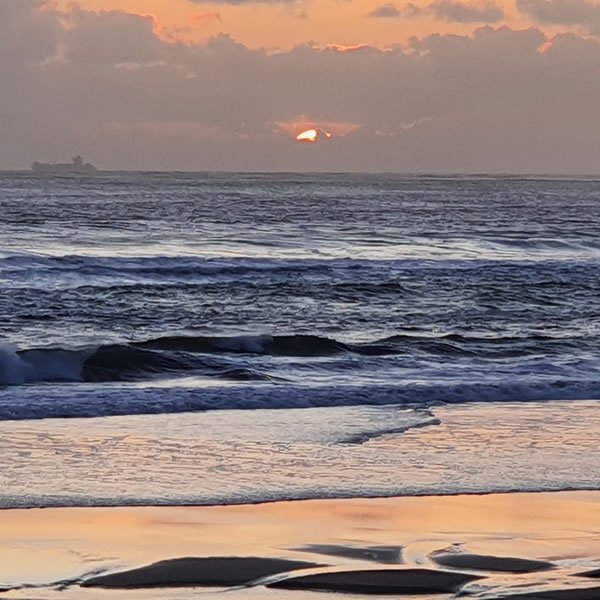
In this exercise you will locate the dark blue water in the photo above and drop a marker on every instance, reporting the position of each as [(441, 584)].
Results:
[(224, 291)]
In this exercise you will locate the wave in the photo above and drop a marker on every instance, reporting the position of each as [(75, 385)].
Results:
[(283, 345), (211, 355), (116, 362), (15, 266), (157, 358), (171, 266), (580, 244)]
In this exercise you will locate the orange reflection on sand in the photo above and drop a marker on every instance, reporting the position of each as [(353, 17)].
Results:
[(45, 545)]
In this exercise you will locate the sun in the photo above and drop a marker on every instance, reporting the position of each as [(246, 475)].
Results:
[(312, 135)]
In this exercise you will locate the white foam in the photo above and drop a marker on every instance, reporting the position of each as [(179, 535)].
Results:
[(227, 457), (192, 394)]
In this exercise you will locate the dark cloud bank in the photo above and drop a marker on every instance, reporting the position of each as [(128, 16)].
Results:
[(104, 85), (584, 14)]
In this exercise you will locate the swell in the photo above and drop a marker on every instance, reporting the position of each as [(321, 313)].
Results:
[(303, 345), (283, 345), (191, 267), (171, 266), (233, 358)]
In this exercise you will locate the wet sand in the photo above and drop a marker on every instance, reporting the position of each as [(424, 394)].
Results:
[(495, 546)]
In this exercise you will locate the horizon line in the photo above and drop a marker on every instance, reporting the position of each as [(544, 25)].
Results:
[(472, 174)]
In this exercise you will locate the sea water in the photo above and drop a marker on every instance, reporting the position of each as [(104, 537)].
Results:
[(218, 338)]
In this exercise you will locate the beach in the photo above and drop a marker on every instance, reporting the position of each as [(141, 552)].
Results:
[(48, 553)]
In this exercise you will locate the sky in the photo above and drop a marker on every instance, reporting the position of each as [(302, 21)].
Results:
[(444, 86)]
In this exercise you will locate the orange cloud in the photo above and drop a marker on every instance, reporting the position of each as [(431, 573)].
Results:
[(206, 16), (342, 48)]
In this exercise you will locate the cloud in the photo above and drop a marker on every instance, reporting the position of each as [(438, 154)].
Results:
[(87, 37), (386, 11), (26, 30), (207, 16), (462, 12), (452, 11), (562, 12), (105, 85), (241, 2)]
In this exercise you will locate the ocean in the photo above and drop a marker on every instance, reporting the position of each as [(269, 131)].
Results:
[(222, 338)]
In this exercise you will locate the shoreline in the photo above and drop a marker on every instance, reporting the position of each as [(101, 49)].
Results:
[(252, 503), (55, 549)]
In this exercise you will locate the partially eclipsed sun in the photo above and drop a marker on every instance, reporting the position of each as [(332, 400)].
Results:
[(312, 135)]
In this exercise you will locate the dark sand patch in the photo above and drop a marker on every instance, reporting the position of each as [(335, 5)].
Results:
[(211, 571), (482, 562), (380, 554), (383, 581), (595, 574)]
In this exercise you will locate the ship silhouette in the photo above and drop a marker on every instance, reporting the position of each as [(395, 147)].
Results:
[(76, 166)]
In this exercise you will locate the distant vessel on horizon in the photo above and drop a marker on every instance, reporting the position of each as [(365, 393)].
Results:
[(76, 166)]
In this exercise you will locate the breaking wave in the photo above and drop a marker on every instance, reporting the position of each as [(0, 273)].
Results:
[(214, 356), (115, 362), (286, 371)]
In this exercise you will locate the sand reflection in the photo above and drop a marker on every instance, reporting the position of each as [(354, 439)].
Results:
[(49, 545)]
